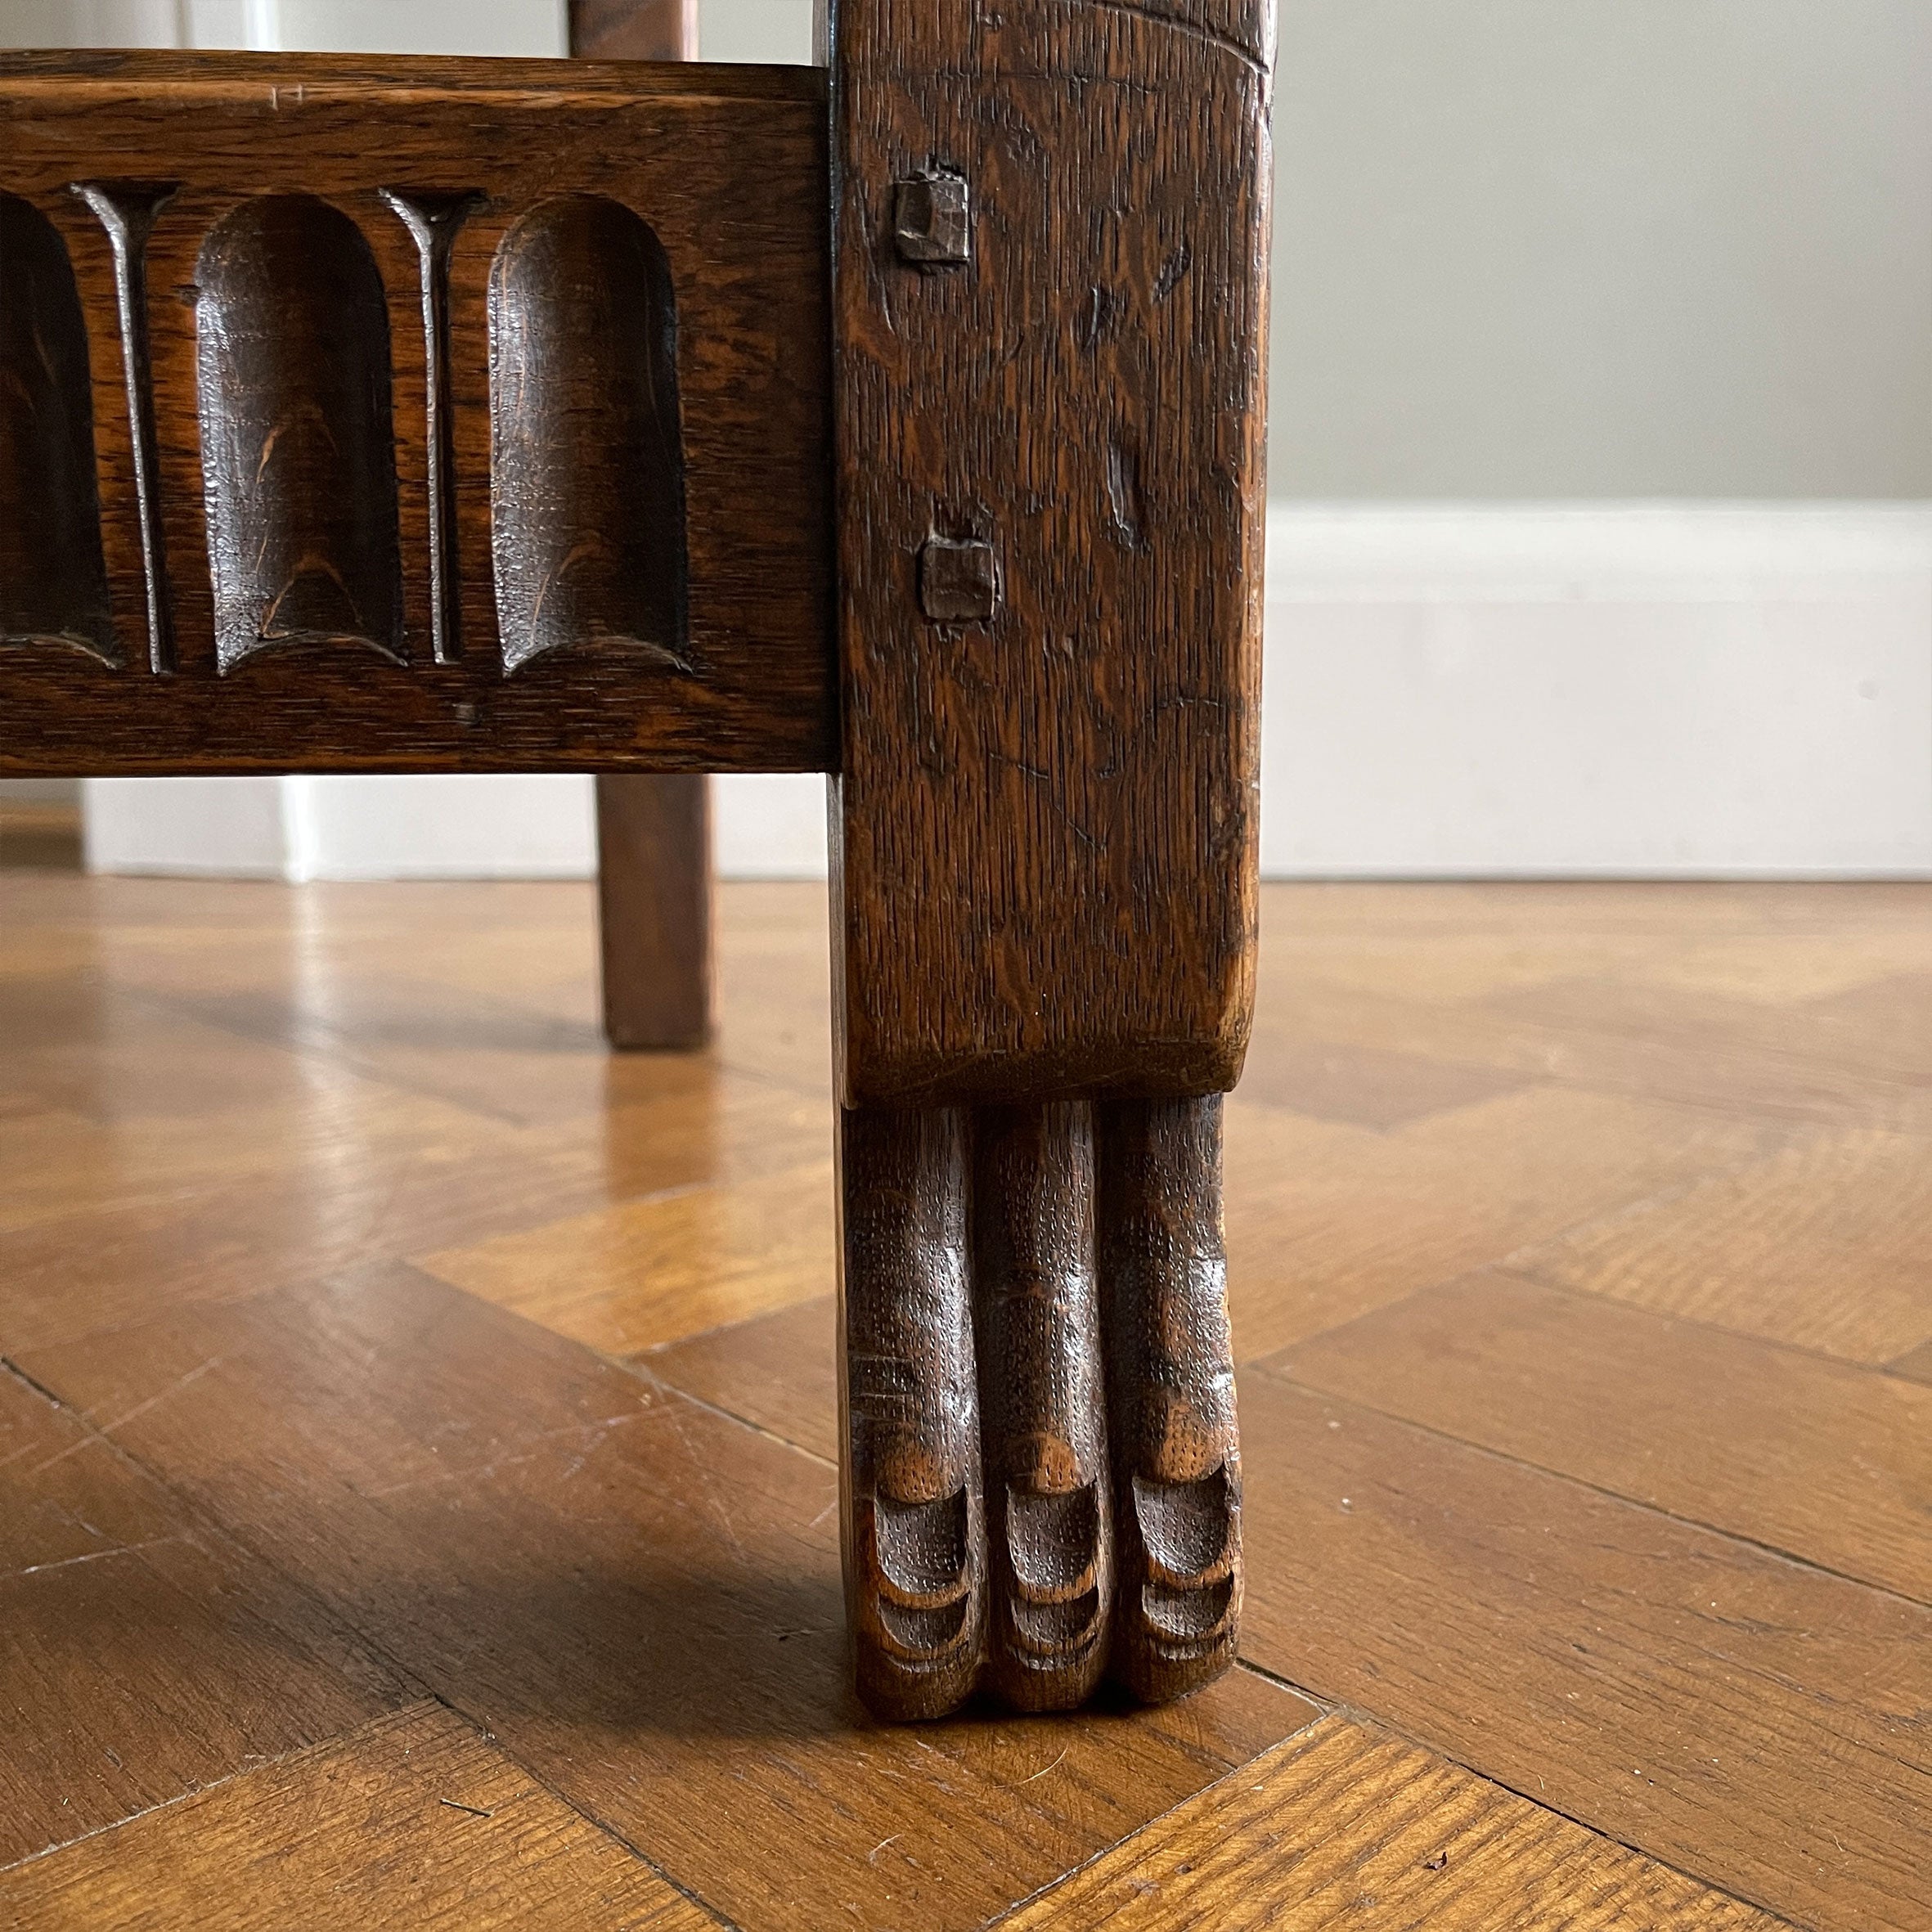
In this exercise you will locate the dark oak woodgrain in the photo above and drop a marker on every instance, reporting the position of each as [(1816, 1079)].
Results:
[(1042, 1471), (413, 1819), (1071, 774), (1163, 1278), (53, 580), (422, 496), (298, 434), (1049, 1513), (914, 1506)]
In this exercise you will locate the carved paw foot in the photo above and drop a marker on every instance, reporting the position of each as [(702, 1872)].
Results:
[(1042, 1473)]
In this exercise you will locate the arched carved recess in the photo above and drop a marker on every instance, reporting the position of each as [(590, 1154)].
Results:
[(53, 578), (298, 441), (587, 485)]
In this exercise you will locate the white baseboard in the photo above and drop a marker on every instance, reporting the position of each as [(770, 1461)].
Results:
[(1471, 691), (1645, 690), (421, 827)]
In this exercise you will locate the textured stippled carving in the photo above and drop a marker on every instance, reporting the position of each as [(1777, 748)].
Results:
[(587, 476)]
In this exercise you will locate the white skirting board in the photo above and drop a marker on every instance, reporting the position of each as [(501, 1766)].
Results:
[(1648, 691)]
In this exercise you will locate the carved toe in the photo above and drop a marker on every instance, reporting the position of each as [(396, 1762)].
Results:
[(1171, 1397), (915, 1534), (1050, 1528)]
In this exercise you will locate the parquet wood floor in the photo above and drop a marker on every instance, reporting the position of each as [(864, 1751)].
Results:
[(415, 1495)]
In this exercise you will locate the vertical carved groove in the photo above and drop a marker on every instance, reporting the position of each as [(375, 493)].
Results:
[(1170, 1393), (915, 1533), (297, 446), (127, 210), (587, 496), (1049, 1526), (433, 218)]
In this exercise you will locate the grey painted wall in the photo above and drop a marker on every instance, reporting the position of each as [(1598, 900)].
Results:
[(1603, 248)]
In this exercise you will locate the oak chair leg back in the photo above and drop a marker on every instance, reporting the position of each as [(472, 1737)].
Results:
[(654, 917)]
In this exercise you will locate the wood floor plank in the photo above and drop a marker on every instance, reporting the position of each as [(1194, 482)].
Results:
[(1448, 944), (142, 1656), (1346, 1826), (80, 1046), (1366, 1086), (1694, 1420), (413, 1819), (1824, 1246), (100, 1265), (1665, 1685), (1327, 1221), (1696, 1047), (779, 1372), (65, 1496), (233, 1108), (638, 1597), (628, 1277), (486, 998), (1608, 1031), (54, 1165)]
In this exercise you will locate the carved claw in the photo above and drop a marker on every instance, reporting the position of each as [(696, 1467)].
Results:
[(1076, 1376)]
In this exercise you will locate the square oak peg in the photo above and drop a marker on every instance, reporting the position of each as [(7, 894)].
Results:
[(958, 582), (933, 218)]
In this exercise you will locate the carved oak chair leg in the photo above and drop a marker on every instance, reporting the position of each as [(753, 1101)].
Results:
[(1050, 1527), (1170, 1394), (913, 1524)]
